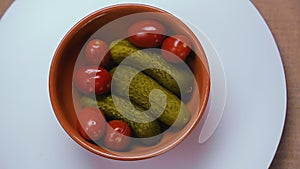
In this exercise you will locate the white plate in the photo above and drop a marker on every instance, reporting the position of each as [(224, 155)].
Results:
[(247, 136)]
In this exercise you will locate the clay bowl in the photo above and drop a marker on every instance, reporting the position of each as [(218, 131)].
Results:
[(64, 98)]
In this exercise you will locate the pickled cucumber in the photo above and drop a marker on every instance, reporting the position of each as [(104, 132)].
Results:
[(174, 113), (140, 130), (163, 72)]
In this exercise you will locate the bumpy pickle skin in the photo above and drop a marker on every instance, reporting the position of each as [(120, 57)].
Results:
[(163, 72), (140, 130), (174, 113)]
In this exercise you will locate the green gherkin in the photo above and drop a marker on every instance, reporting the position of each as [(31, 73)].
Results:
[(140, 85), (148, 128), (163, 72)]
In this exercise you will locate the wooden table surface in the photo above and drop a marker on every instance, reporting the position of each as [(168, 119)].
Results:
[(283, 18)]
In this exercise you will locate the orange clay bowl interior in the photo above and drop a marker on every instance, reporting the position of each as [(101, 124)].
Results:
[(63, 63)]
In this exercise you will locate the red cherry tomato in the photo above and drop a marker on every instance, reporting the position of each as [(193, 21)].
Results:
[(146, 33), (91, 123), (92, 80), (117, 135), (97, 53), (177, 45)]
